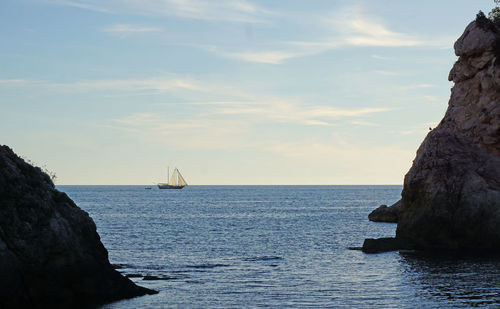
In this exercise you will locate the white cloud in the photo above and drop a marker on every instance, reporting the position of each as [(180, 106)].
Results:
[(255, 113), (190, 89), (270, 57), (348, 28), (220, 10), (362, 31), (419, 86), (152, 85), (364, 123), (13, 82), (378, 57), (228, 10), (214, 101), (434, 99), (124, 29), (288, 111), (87, 5), (139, 119), (195, 133)]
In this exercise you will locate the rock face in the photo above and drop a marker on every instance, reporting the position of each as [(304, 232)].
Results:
[(50, 252), (386, 214), (451, 194)]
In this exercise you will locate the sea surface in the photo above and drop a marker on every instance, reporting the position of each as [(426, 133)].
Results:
[(273, 247)]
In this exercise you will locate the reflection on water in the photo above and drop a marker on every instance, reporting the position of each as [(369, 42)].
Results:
[(273, 247), (465, 281)]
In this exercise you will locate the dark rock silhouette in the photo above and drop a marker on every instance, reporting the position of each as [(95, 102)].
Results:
[(451, 194), (50, 252), (378, 245), (386, 213)]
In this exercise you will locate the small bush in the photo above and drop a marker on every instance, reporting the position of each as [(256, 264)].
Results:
[(482, 21), (494, 16), (485, 23)]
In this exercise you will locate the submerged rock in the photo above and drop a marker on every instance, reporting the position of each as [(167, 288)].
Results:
[(50, 252), (378, 245), (386, 214), (451, 194), (152, 278)]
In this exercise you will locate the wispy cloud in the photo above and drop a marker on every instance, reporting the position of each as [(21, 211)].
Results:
[(138, 119), (264, 111), (378, 57), (13, 81), (189, 89), (270, 57), (350, 27), (87, 5), (279, 110), (129, 85), (347, 27), (220, 10), (226, 10), (195, 133), (362, 31), (126, 29), (213, 101), (419, 86), (364, 123), (213, 132), (432, 98)]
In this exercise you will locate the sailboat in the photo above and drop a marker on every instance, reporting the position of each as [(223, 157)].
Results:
[(176, 181)]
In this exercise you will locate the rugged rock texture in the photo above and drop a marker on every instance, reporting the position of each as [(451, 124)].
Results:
[(451, 195), (50, 252), (386, 214)]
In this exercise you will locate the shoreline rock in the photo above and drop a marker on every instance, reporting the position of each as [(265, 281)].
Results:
[(50, 252), (451, 194), (385, 244), (386, 214)]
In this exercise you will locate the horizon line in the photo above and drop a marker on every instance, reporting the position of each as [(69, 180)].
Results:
[(146, 185)]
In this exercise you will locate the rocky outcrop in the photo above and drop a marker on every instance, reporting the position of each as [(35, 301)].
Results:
[(451, 195), (50, 252), (386, 213), (378, 245)]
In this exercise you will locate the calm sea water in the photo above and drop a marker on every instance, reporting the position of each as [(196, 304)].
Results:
[(273, 247)]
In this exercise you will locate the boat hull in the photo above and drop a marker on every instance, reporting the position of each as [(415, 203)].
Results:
[(167, 186)]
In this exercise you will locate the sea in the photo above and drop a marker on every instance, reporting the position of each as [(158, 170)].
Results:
[(273, 247)]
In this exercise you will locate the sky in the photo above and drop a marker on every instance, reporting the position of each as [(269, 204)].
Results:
[(232, 92)]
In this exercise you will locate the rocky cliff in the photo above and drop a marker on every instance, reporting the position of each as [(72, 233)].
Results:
[(50, 252), (451, 194)]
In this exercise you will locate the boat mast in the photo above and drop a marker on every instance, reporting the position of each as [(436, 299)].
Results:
[(168, 175)]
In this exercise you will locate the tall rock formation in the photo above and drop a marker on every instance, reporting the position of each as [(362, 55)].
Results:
[(50, 252), (451, 194)]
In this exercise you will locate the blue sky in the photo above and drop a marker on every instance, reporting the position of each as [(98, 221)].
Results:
[(229, 91)]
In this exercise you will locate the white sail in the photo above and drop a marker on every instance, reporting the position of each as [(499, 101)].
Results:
[(182, 182), (173, 179), (176, 181)]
